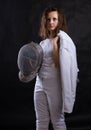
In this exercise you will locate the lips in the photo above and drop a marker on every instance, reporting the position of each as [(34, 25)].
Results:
[(51, 26)]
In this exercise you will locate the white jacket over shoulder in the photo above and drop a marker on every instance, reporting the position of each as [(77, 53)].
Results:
[(68, 71)]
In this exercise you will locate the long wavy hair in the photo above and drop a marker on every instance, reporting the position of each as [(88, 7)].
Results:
[(44, 32)]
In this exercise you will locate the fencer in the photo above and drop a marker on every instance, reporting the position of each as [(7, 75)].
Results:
[(55, 87)]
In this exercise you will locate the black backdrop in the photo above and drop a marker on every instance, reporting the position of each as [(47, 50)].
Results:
[(19, 24)]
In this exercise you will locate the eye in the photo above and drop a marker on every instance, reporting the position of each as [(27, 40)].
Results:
[(48, 19), (54, 19)]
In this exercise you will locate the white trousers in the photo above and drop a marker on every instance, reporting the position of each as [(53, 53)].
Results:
[(48, 104)]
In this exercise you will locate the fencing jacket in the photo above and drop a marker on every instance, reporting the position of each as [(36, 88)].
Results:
[(69, 70)]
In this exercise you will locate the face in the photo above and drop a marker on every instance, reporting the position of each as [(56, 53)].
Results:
[(52, 20)]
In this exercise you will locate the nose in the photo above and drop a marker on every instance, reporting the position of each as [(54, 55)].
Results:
[(51, 21)]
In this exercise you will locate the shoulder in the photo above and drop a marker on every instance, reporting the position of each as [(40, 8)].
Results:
[(66, 41), (65, 36), (43, 41)]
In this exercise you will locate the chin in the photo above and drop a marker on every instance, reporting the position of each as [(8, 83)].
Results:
[(52, 29)]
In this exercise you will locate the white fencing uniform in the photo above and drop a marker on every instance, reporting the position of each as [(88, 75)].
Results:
[(48, 92)]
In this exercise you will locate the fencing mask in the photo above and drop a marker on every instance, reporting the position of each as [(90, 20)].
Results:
[(29, 60)]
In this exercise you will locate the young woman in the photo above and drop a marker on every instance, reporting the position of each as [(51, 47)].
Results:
[(56, 81)]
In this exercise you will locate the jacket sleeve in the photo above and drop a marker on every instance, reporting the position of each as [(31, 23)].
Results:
[(74, 72), (65, 64)]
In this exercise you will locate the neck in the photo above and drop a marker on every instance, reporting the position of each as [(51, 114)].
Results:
[(51, 34)]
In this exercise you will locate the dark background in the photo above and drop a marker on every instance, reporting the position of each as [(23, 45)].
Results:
[(19, 24)]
